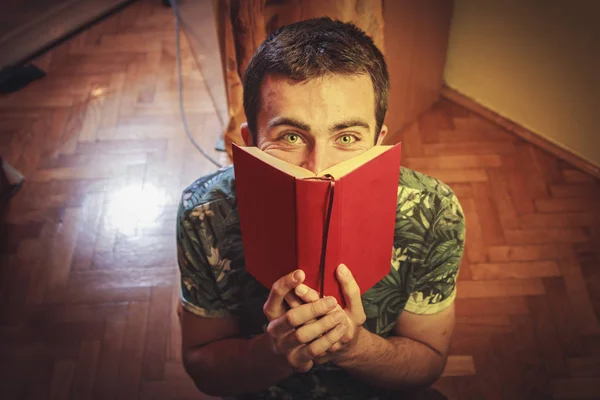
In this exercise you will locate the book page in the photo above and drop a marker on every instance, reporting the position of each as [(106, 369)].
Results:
[(290, 169), (343, 168), (337, 171)]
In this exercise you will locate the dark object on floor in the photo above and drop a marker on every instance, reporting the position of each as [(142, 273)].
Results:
[(167, 3), (11, 181), (16, 77)]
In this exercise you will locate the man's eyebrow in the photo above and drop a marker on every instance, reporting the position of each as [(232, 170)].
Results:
[(349, 124), (305, 127), (288, 121)]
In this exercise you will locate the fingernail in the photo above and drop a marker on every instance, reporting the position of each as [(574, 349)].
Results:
[(297, 275), (330, 301), (302, 289), (343, 270)]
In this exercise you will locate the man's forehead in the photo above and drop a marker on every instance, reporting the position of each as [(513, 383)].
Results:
[(340, 94), (327, 80)]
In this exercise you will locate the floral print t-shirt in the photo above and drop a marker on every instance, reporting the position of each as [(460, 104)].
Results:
[(428, 246)]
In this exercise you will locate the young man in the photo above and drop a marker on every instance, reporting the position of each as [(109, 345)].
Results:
[(315, 94)]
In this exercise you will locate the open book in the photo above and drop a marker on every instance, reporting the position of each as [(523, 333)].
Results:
[(291, 218)]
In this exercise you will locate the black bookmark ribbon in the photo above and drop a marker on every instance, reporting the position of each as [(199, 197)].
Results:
[(330, 194)]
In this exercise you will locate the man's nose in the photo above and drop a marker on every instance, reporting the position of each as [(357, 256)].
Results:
[(317, 159)]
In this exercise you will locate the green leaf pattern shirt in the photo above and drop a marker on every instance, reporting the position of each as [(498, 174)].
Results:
[(428, 245)]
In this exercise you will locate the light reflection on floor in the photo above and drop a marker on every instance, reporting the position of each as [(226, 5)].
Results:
[(134, 207)]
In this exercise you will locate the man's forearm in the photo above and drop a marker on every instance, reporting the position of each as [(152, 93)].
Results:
[(234, 366), (395, 363)]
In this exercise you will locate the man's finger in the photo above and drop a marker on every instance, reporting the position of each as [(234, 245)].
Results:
[(335, 347), (300, 362), (279, 327), (274, 306), (289, 341), (305, 368), (293, 300), (306, 293), (351, 292), (320, 346), (309, 311), (308, 332)]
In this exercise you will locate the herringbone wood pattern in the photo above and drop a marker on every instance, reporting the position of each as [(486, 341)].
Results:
[(89, 275)]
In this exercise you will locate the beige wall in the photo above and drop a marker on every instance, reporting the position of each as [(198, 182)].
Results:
[(534, 62)]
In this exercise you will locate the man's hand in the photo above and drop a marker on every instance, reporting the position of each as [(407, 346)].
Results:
[(304, 332), (354, 313)]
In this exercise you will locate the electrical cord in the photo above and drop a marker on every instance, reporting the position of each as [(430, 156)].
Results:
[(180, 87)]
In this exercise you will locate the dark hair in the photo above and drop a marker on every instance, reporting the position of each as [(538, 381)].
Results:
[(312, 49)]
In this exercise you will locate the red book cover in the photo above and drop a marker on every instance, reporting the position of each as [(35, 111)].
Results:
[(284, 211)]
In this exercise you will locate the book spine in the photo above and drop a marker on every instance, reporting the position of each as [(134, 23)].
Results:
[(326, 228), (334, 250)]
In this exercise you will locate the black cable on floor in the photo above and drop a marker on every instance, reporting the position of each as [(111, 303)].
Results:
[(180, 88)]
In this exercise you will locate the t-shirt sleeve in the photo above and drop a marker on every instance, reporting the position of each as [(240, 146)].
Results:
[(199, 262), (434, 287)]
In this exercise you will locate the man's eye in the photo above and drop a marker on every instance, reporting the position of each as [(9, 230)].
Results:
[(292, 138), (347, 139)]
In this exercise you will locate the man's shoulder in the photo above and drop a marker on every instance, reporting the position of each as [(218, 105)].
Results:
[(427, 206), (217, 187), (418, 182)]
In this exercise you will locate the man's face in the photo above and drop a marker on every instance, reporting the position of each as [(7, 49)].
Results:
[(317, 123)]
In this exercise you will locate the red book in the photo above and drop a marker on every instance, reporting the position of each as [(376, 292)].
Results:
[(285, 210)]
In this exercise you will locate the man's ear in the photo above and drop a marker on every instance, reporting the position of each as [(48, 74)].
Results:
[(382, 133), (246, 135)]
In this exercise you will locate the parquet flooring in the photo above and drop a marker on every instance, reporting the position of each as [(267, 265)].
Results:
[(89, 274)]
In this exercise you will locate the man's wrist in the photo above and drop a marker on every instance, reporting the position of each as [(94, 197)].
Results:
[(350, 355)]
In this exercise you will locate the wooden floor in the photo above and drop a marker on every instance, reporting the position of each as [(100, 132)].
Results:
[(88, 280)]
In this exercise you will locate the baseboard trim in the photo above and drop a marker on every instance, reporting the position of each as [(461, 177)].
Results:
[(524, 133)]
